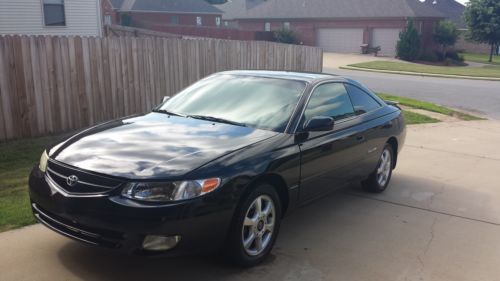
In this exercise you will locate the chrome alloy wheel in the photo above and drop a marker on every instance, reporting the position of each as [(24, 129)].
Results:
[(384, 168), (258, 225)]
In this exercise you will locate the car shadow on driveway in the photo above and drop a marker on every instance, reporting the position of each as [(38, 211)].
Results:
[(90, 263), (347, 235)]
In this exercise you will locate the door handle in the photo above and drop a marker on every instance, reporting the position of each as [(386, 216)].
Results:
[(360, 138)]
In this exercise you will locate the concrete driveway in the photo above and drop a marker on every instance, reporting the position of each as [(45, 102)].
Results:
[(439, 220)]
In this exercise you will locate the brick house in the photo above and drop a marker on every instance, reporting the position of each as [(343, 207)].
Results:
[(146, 13), (336, 25), (454, 11)]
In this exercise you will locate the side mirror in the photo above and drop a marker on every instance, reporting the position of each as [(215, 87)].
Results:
[(319, 124), (165, 98)]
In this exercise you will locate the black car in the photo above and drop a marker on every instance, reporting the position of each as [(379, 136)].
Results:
[(218, 165)]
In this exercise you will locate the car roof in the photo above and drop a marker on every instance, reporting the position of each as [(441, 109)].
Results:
[(309, 77)]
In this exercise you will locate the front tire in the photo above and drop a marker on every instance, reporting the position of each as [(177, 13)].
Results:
[(378, 181), (255, 227)]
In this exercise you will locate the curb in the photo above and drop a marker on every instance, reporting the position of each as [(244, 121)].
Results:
[(421, 74)]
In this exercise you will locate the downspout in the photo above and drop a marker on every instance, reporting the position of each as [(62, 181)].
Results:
[(99, 18)]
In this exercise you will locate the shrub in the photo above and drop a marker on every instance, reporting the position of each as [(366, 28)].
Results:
[(431, 57), (445, 34), (454, 55), (284, 36), (408, 46)]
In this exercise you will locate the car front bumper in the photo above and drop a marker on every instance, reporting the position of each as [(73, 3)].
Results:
[(114, 222)]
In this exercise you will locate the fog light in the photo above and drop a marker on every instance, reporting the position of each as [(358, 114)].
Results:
[(160, 243)]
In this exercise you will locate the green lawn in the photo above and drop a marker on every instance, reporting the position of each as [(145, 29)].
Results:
[(481, 58), (416, 118), (16, 160), (429, 107), (488, 71)]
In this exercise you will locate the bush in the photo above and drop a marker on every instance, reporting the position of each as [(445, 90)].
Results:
[(454, 55), (408, 46), (445, 34), (284, 36), (431, 57)]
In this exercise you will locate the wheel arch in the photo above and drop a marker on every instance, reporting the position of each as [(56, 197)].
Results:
[(393, 142), (278, 183)]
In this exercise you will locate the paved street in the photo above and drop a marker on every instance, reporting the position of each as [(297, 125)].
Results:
[(439, 220), (481, 97)]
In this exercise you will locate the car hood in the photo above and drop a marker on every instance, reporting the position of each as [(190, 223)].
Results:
[(153, 145)]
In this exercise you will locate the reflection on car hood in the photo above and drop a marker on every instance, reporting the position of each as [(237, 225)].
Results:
[(153, 146)]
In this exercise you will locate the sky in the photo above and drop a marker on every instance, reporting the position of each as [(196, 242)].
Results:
[(462, 1)]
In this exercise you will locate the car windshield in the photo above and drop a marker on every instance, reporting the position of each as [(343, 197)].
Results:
[(259, 102)]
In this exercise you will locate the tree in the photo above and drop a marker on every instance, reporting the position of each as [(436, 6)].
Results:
[(483, 22), (445, 34), (408, 46)]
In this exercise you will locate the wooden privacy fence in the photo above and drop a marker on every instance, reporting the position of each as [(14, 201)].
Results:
[(56, 84)]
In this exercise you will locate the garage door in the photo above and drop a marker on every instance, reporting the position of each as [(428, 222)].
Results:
[(387, 39), (340, 40)]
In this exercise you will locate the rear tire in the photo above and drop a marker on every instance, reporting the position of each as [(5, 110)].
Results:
[(378, 181), (255, 227)]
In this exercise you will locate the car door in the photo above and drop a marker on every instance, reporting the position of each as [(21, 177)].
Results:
[(327, 158), (367, 109)]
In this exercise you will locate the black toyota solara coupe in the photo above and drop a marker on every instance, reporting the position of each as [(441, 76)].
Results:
[(218, 165)]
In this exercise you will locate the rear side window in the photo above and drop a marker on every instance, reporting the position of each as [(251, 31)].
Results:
[(361, 101), (329, 100)]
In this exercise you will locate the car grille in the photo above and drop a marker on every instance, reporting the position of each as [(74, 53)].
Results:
[(86, 184), (92, 236)]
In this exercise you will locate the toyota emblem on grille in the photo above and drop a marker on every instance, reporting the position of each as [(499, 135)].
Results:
[(72, 180)]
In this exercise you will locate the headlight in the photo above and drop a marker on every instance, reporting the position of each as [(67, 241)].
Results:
[(43, 161), (169, 191)]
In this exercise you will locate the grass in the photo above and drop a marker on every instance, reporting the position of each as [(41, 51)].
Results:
[(416, 118), (481, 58), (429, 107), (491, 71), (16, 160)]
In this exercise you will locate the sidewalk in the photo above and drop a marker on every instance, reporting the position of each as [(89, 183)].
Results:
[(418, 73)]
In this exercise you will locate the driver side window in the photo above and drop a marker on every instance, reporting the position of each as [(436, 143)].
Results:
[(329, 100)]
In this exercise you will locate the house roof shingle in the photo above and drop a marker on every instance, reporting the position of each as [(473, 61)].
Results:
[(286, 9), (451, 9), (175, 6)]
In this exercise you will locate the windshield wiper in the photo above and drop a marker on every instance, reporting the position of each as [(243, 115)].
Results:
[(217, 119), (167, 112)]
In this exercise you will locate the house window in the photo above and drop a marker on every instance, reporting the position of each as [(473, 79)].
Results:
[(217, 21), (107, 20), (286, 25), (174, 19), (53, 13), (199, 21), (267, 26), (226, 23)]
